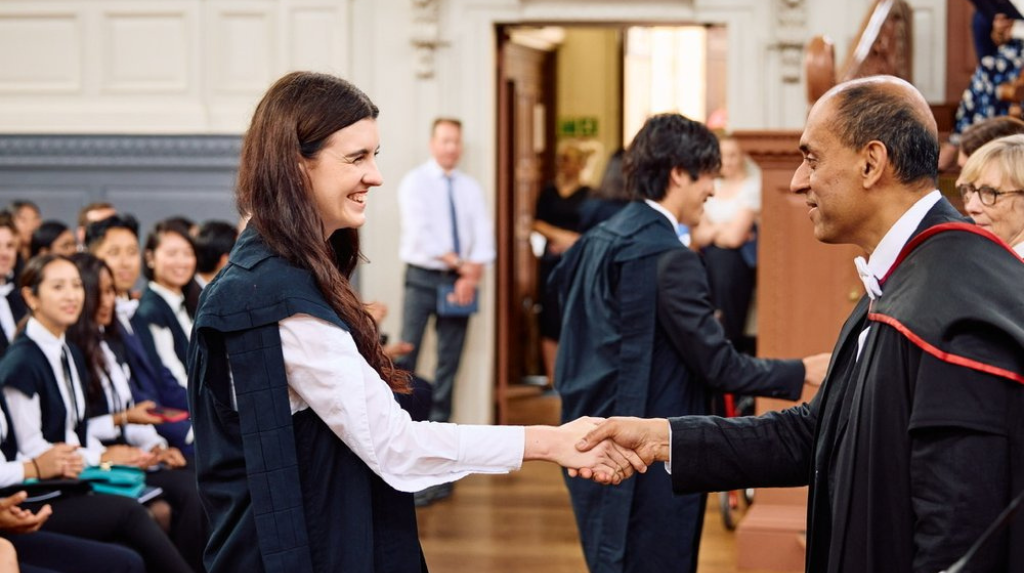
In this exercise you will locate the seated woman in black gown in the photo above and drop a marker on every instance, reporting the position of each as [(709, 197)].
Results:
[(42, 379), (162, 320)]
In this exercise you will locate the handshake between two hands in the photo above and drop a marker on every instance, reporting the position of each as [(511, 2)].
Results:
[(605, 451)]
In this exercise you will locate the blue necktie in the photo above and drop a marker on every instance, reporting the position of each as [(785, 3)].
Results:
[(455, 224)]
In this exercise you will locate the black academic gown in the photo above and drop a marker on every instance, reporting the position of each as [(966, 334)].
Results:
[(639, 338), (155, 383), (154, 310), (911, 450), (283, 493), (25, 368)]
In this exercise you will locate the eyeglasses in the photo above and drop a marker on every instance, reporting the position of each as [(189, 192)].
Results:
[(986, 194)]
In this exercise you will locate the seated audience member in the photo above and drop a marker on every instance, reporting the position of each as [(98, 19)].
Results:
[(27, 219), (985, 131), (12, 307), (193, 289), (53, 237), (115, 418), (115, 241), (989, 93), (162, 320), (214, 242), (41, 376), (90, 214), (33, 551), (992, 187)]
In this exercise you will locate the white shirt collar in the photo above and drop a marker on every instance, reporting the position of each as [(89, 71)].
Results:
[(884, 256), (657, 207), (50, 345), (200, 280), (174, 300), (1019, 249), (438, 171)]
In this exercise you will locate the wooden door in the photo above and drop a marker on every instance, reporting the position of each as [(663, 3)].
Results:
[(525, 136)]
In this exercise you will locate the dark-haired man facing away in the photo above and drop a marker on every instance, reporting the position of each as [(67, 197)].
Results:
[(915, 441), (640, 338)]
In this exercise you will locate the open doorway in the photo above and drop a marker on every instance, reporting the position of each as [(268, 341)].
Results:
[(586, 88)]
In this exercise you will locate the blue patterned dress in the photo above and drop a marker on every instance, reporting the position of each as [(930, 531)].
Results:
[(979, 100)]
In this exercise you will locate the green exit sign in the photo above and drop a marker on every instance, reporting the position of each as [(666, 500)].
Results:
[(585, 126)]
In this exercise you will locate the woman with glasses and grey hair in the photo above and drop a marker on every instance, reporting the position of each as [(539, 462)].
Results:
[(992, 187)]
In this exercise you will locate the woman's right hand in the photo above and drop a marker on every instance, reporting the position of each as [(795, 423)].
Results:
[(139, 414), (62, 460)]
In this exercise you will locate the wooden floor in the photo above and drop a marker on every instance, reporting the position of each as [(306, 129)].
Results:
[(523, 521)]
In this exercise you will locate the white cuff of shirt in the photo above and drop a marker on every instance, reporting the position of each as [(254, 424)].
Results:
[(668, 464)]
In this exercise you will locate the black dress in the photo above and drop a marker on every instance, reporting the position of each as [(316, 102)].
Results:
[(564, 213)]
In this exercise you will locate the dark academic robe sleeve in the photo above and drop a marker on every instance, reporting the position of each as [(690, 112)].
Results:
[(688, 317), (717, 454)]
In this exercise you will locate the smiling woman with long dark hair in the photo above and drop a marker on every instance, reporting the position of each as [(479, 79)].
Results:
[(301, 448)]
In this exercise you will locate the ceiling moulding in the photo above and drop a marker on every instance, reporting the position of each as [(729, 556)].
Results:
[(194, 151), (426, 36), (790, 36)]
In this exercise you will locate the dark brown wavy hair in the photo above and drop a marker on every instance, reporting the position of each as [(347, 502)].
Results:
[(295, 119)]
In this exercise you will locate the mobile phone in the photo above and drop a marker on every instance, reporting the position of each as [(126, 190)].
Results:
[(169, 414)]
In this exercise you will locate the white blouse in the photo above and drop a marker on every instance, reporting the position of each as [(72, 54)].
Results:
[(27, 414), (327, 373), (119, 397), (163, 338)]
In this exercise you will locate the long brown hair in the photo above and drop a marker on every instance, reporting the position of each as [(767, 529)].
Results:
[(294, 120)]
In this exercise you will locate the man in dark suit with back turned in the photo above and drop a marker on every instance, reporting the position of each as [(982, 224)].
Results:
[(639, 337), (915, 441)]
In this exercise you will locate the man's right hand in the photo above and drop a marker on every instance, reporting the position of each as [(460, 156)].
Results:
[(649, 438), (816, 367)]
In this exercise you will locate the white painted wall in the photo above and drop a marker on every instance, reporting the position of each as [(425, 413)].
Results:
[(200, 66)]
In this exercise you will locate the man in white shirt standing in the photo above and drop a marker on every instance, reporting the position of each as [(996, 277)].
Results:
[(447, 238)]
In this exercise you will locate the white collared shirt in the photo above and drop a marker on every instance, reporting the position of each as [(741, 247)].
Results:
[(27, 414), (426, 232), (125, 309), (884, 256), (119, 398), (668, 214), (327, 373), (163, 338), (1019, 249)]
